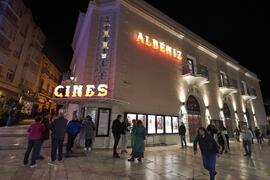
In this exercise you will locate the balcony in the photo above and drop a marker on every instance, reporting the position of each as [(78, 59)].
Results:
[(228, 86), (248, 93), (196, 76)]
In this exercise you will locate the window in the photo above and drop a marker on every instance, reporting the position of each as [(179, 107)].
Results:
[(223, 78), (244, 87), (168, 124), (190, 65), (10, 75), (151, 124)]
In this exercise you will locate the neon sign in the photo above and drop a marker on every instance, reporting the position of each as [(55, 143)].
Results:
[(81, 91), (158, 46)]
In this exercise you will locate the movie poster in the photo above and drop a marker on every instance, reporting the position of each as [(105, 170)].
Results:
[(160, 124)]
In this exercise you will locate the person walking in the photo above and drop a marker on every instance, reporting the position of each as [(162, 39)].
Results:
[(257, 133), (124, 135), (73, 129), (138, 142), (247, 141), (134, 124), (34, 141), (209, 150), (58, 131), (46, 134), (268, 133), (116, 130), (89, 132), (225, 132), (237, 134), (182, 134), (222, 141)]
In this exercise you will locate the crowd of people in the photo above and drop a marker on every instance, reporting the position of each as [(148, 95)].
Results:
[(40, 130)]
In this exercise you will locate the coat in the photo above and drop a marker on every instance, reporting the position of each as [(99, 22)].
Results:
[(138, 139), (58, 128), (89, 129)]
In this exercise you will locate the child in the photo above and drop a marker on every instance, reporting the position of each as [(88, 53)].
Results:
[(34, 141)]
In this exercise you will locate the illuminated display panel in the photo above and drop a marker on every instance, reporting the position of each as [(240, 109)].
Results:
[(160, 124), (131, 117), (151, 124), (142, 117), (168, 124), (175, 124)]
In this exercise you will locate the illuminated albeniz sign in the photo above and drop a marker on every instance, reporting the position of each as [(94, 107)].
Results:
[(81, 91), (158, 46)]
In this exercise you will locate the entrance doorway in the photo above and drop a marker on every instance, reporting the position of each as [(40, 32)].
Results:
[(228, 119), (194, 117)]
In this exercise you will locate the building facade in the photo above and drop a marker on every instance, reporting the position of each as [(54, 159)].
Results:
[(21, 44), (49, 79), (131, 59)]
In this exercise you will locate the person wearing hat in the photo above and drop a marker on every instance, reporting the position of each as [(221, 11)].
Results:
[(73, 129)]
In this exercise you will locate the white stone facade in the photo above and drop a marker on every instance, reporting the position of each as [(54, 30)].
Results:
[(147, 81)]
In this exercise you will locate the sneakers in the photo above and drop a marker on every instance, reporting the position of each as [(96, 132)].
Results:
[(52, 163), (33, 166), (131, 159)]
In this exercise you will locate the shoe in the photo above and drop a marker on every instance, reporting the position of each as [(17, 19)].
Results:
[(139, 159), (85, 149), (131, 159), (41, 158), (245, 154), (25, 163), (89, 149), (116, 156), (52, 163), (215, 173), (33, 166)]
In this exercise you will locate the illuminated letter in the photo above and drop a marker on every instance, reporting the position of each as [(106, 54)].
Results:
[(155, 44), (147, 42), (162, 47), (169, 50), (56, 93), (140, 38), (102, 90), (179, 55), (89, 91), (174, 53), (67, 94), (77, 90)]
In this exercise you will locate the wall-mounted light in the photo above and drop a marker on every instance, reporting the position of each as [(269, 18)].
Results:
[(221, 109), (72, 78), (235, 112), (183, 103), (207, 107)]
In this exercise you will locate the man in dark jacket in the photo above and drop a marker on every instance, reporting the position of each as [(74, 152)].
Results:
[(116, 130), (182, 134), (209, 150), (58, 128)]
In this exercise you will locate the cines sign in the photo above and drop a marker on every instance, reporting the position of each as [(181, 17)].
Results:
[(81, 91), (158, 46)]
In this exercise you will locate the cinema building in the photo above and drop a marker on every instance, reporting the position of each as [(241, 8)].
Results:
[(131, 59)]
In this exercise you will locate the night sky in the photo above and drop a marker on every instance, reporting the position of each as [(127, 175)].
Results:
[(238, 29)]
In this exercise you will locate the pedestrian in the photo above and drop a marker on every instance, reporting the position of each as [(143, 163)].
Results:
[(212, 130), (222, 141), (34, 141), (182, 134), (11, 117), (58, 128), (46, 133), (268, 133), (262, 137), (116, 130), (209, 150), (73, 129), (134, 124), (252, 141), (237, 134), (225, 132), (257, 133), (138, 142), (124, 135), (89, 129), (247, 141)]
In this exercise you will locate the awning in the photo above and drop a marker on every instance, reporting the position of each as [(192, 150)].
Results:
[(64, 101)]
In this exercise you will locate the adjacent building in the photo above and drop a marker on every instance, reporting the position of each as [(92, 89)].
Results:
[(131, 59), (49, 79), (21, 44)]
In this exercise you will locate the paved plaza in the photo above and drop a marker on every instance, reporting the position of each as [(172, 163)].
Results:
[(160, 163)]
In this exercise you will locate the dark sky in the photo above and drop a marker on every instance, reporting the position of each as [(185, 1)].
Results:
[(237, 28)]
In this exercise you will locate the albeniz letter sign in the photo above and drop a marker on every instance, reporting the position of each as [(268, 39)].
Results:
[(81, 91), (159, 46)]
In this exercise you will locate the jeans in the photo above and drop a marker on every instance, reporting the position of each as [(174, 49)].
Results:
[(247, 147), (88, 143), (209, 163), (259, 140), (34, 146), (124, 141), (183, 141), (57, 144), (116, 141), (70, 142)]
